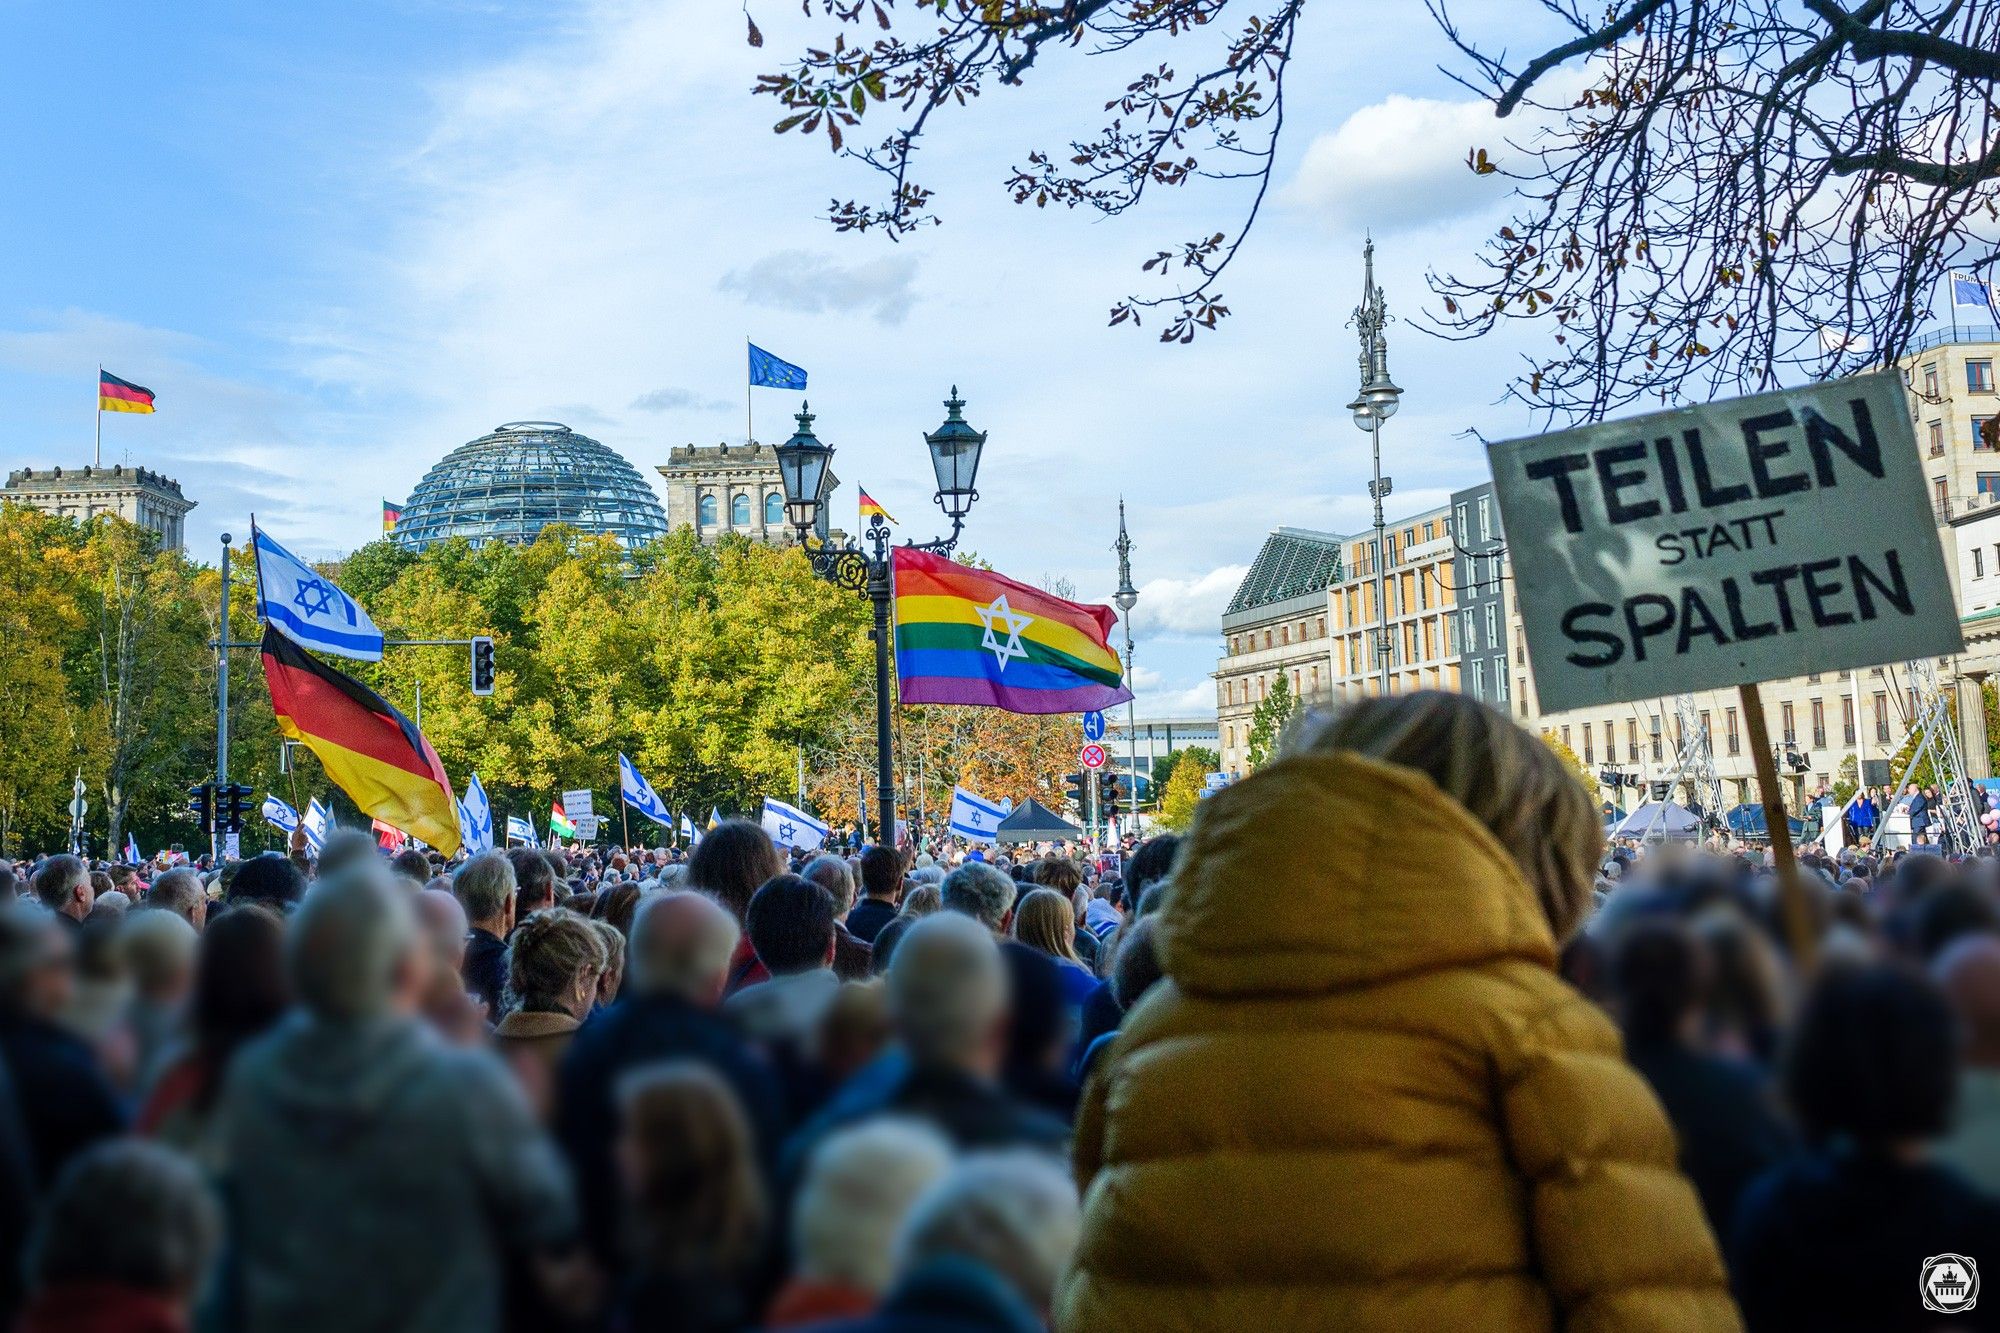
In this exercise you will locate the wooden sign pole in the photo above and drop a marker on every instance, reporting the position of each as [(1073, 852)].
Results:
[(1791, 892)]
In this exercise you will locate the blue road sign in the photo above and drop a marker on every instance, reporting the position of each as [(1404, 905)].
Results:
[(1093, 726)]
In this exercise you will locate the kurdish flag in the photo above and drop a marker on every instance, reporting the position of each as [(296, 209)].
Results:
[(371, 751), (966, 636), (116, 395), (559, 825), (872, 508)]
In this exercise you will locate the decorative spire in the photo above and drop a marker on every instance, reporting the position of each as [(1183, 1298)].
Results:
[(1126, 594)]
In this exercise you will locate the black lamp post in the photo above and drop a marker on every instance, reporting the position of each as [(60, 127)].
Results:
[(803, 465)]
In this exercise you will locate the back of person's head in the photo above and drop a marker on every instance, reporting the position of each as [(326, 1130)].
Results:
[(10, 883), (1058, 873), (1137, 966), (484, 886), (855, 1027), (882, 872), (698, 1204), (241, 986), (1950, 911), (159, 952), (1656, 978), (442, 918), (344, 848), (178, 891), (1014, 1213), (57, 880), (153, 1200), (553, 961), (1874, 1058), (790, 923), (922, 901), (1506, 779), (1969, 973), (412, 863), (1152, 862), (616, 905), (349, 942), (28, 943), (948, 991), (831, 873), (534, 881), (110, 903), (612, 979), (269, 878), (1046, 922), (732, 861), (558, 860), (859, 1186), (980, 892), (681, 945)]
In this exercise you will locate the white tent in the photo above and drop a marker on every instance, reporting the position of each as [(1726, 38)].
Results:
[(1657, 819)]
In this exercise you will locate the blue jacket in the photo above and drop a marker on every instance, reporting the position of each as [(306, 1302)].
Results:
[(946, 1295)]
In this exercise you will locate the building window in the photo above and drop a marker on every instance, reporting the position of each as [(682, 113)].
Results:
[(1589, 756), (774, 510), (1707, 730), (1267, 639), (1789, 728), (1463, 534), (1478, 679), (1284, 634), (1735, 738), (1485, 528), (1931, 381), (1978, 563), (1632, 742), (1322, 627), (1989, 483), (1881, 718), (1818, 724), (1471, 633), (739, 512), (705, 511), (1937, 439), (1979, 377), (1659, 751), (1984, 439), (1492, 623), (1847, 719), (1940, 492)]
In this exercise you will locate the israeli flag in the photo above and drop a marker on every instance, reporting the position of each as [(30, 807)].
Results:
[(790, 826), (974, 818), (687, 829), (318, 823), (477, 819), (770, 372), (305, 606), (639, 794), (279, 815), (520, 830), (132, 856)]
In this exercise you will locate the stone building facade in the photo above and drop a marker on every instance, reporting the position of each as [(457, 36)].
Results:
[(736, 488), (135, 494)]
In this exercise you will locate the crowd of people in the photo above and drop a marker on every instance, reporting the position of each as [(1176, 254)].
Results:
[(1389, 1041)]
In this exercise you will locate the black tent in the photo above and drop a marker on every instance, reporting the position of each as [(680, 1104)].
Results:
[(1035, 822)]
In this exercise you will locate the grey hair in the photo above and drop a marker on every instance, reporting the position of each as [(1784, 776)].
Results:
[(158, 947), (343, 848), (947, 987), (681, 943), (1013, 1212), (858, 1190), (832, 874), (177, 891), (350, 934), (932, 874), (150, 1196), (484, 884), (979, 891), (56, 880), (24, 940), (112, 902)]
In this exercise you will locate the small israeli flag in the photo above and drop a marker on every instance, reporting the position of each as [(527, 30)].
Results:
[(790, 826), (304, 605), (132, 856), (318, 823), (639, 794), (687, 829), (477, 819), (520, 830), (973, 817), (279, 815)]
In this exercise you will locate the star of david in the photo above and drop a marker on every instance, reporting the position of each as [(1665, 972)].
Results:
[(786, 828), (998, 614), (314, 597)]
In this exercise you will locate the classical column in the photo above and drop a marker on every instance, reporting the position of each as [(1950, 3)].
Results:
[(1971, 702)]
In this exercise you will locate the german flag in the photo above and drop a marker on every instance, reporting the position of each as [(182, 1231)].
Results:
[(371, 751), (392, 514), (872, 508), (116, 395)]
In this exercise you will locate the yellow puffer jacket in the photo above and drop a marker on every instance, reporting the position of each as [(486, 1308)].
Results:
[(1362, 1099)]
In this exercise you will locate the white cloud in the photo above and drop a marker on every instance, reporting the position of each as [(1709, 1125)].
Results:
[(1197, 700), (675, 400), (811, 283), (1189, 607), (1399, 163)]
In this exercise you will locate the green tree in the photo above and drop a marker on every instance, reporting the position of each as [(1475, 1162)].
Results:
[(1574, 764), (1182, 795), (1269, 719)]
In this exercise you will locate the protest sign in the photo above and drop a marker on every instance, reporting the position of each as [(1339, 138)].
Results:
[(1725, 544)]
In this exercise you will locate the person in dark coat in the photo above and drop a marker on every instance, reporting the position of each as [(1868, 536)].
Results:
[(64, 1102), (1840, 1237), (882, 887), (681, 947), (485, 887), (1721, 1109)]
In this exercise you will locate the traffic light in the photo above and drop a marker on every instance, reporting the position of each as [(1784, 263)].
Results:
[(1660, 790), (235, 805), (1108, 791), (1073, 789), (201, 803), (482, 664)]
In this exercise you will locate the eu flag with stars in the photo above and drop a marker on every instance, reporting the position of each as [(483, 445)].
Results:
[(769, 372)]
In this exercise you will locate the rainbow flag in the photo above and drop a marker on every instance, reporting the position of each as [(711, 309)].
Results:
[(872, 508), (967, 636), (116, 395)]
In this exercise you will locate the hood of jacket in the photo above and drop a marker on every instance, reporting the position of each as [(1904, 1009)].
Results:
[(1322, 872), (323, 1075)]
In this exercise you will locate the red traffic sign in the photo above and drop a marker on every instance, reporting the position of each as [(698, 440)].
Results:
[(1092, 756)]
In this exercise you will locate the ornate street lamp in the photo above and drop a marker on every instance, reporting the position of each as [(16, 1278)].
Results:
[(804, 465), (1126, 597), (1374, 404)]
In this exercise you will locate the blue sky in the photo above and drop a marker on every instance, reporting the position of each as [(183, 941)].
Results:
[(339, 239)]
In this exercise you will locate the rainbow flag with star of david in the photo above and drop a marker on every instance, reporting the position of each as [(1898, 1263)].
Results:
[(970, 636)]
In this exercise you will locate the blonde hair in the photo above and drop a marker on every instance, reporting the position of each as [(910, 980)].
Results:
[(547, 953), (1047, 922), (1505, 778)]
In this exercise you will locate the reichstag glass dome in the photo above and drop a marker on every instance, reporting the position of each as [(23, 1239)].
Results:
[(509, 485)]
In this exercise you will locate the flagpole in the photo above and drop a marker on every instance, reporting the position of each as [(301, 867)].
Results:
[(97, 400), (624, 825), (749, 423)]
